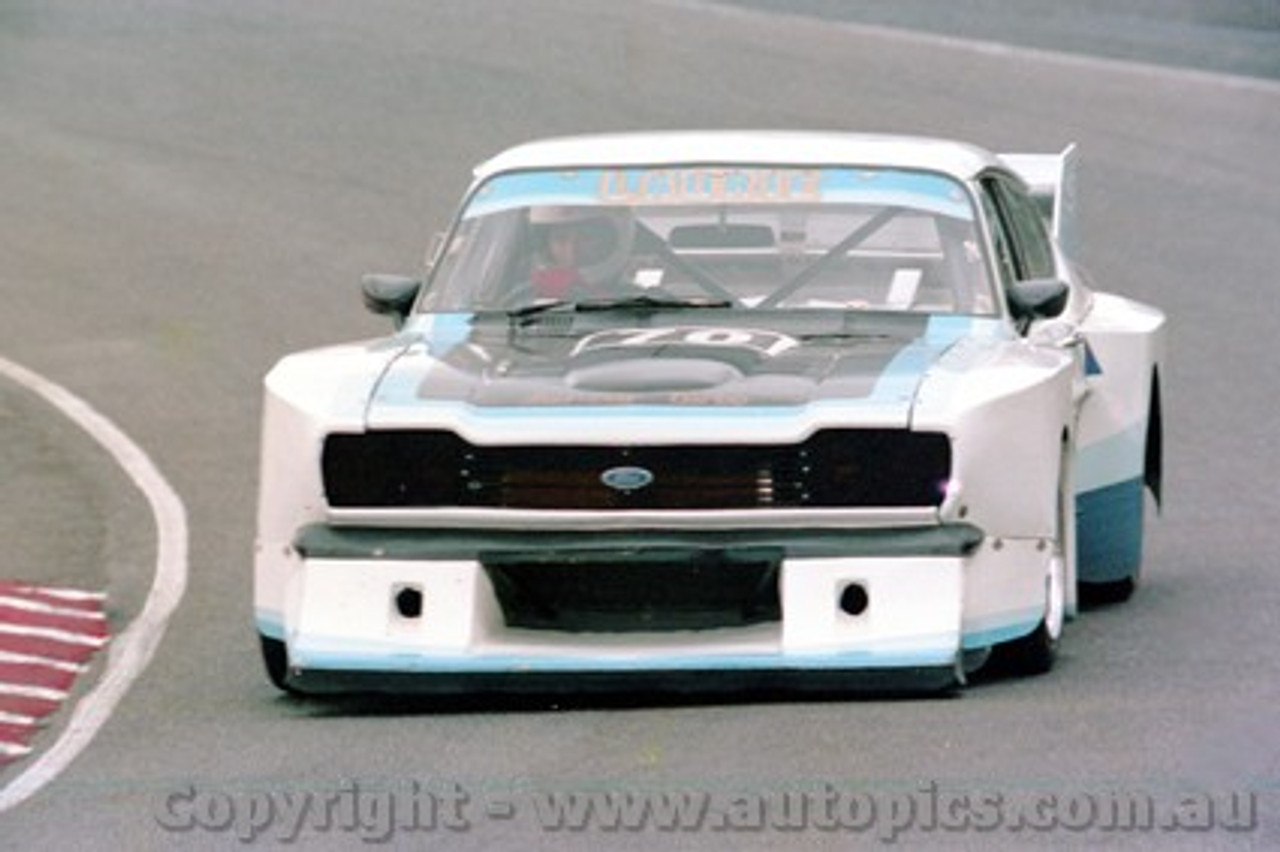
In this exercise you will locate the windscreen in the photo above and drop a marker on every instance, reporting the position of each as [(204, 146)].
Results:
[(753, 238)]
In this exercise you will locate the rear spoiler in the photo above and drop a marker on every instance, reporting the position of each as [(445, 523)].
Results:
[(1052, 181)]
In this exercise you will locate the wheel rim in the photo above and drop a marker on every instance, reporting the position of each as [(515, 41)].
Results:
[(1055, 599)]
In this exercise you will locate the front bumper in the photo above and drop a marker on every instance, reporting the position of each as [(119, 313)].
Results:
[(346, 624), (690, 682)]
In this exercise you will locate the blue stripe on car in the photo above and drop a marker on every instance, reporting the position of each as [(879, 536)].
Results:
[(940, 652), (994, 630), (1109, 532), (270, 624), (514, 190)]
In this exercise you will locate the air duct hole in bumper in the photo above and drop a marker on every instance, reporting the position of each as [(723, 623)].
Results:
[(407, 600), (854, 599)]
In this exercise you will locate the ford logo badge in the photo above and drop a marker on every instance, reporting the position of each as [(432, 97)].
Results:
[(626, 479)]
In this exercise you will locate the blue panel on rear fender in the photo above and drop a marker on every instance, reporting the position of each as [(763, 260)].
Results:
[(1109, 532)]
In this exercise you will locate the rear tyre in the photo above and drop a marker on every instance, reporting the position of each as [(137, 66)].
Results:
[(1103, 594)]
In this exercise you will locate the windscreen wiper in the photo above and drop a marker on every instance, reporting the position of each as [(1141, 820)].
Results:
[(647, 301), (553, 306), (638, 302)]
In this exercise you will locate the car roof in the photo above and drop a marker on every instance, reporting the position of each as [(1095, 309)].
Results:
[(761, 147)]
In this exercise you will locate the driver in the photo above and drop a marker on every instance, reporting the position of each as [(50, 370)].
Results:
[(577, 249)]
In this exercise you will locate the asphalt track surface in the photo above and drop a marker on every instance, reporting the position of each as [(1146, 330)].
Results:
[(192, 189), (1230, 36)]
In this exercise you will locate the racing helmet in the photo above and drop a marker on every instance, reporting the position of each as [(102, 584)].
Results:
[(603, 235)]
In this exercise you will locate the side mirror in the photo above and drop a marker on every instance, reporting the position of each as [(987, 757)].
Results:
[(1038, 298), (392, 295)]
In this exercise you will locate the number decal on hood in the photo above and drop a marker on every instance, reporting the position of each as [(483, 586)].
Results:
[(768, 343)]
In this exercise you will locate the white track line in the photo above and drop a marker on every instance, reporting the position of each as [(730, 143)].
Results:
[(34, 660), (28, 605), (55, 592), (23, 690), (131, 651), (64, 636)]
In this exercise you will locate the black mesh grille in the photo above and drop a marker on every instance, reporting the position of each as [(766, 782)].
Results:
[(656, 590), (886, 468)]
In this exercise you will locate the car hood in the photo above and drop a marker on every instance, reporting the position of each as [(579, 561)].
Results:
[(495, 366)]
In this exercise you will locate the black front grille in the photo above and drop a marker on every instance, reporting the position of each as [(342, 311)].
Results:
[(886, 468), (650, 591)]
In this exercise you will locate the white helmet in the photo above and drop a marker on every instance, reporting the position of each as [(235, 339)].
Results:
[(606, 236)]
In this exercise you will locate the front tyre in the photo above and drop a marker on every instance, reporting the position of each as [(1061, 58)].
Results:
[(1036, 652), (275, 658)]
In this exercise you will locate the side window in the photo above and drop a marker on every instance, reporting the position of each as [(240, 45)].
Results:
[(1031, 251), (1006, 266)]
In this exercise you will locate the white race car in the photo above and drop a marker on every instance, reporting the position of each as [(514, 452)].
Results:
[(799, 410)]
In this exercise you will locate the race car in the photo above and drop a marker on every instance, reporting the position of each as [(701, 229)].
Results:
[(778, 410)]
